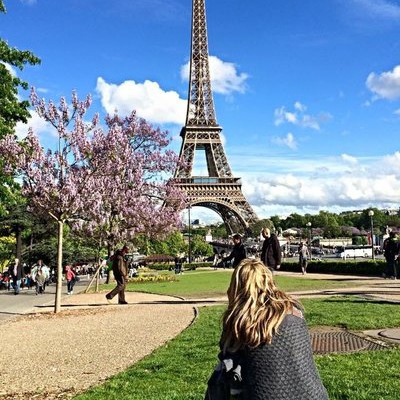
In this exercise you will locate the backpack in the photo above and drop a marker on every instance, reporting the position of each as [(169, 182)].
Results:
[(225, 382)]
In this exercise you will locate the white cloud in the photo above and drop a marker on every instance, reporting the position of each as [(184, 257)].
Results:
[(299, 117), (300, 107), (39, 126), (287, 140), (225, 78), (384, 9), (397, 112), (9, 68), (29, 2), (276, 185), (162, 107), (349, 159), (386, 85), (148, 99), (322, 183)]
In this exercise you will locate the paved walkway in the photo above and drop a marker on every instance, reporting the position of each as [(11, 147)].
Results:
[(54, 356)]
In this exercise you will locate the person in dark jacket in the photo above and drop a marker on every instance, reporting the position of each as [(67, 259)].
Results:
[(120, 270), (238, 252), (271, 253), (391, 251), (264, 332), (17, 273)]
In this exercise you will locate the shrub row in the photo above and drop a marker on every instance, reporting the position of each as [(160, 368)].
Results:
[(170, 267), (358, 267), (365, 267)]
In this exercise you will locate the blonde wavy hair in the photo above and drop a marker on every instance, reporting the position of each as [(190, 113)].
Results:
[(256, 307)]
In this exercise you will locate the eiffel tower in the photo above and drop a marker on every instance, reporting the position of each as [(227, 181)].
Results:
[(220, 190)]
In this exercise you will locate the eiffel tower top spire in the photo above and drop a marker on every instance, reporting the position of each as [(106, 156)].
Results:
[(200, 111), (217, 190)]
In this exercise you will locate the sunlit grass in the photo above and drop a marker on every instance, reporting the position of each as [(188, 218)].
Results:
[(212, 283), (179, 370)]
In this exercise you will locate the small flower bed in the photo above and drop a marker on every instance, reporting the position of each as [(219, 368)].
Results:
[(152, 278)]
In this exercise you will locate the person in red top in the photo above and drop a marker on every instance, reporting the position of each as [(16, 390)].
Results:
[(70, 275)]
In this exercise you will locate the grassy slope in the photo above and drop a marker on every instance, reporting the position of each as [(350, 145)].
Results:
[(179, 370), (215, 283)]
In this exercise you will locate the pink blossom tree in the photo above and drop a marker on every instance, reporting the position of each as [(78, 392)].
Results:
[(135, 195), (114, 180)]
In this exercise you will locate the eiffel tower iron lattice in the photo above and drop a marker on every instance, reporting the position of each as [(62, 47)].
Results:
[(220, 190)]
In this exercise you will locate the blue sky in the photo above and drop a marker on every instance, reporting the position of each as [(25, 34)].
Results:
[(307, 93)]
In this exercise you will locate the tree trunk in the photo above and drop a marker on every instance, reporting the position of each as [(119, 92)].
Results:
[(108, 257), (57, 307), (18, 238)]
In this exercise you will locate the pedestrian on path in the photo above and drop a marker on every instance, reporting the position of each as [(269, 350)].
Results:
[(71, 279), (264, 332), (120, 270), (271, 253), (17, 273), (238, 252), (391, 251), (304, 255), (40, 279)]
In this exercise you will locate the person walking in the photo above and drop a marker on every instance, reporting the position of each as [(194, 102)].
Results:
[(304, 255), (391, 251), (120, 270), (271, 254), (71, 277), (264, 332), (40, 280), (238, 252), (17, 273), (45, 271)]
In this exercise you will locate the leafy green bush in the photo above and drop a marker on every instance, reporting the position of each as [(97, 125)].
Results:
[(160, 267), (186, 267), (367, 267)]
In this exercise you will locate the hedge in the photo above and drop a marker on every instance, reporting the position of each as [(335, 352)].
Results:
[(171, 267), (367, 267), (358, 267)]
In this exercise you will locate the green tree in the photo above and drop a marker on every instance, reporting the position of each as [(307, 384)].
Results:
[(257, 226), (219, 231), (172, 245), (297, 221), (199, 247), (7, 247), (12, 109)]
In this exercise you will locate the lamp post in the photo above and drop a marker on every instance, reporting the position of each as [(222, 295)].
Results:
[(308, 224), (371, 214), (189, 238)]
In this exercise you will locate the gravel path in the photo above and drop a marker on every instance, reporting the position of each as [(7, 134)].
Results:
[(58, 355)]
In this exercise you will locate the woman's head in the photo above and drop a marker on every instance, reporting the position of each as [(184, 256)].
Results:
[(251, 280), (256, 307)]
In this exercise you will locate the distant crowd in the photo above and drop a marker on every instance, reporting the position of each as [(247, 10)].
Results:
[(38, 276)]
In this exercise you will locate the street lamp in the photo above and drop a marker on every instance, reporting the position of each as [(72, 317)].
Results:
[(308, 224), (189, 238), (371, 214)]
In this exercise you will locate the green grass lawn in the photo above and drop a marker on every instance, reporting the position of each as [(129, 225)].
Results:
[(215, 283), (180, 369), (353, 313)]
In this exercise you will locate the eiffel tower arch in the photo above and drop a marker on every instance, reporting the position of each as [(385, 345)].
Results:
[(219, 191)]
